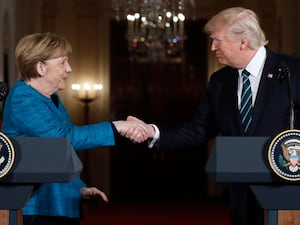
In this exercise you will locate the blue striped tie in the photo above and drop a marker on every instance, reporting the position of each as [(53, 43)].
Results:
[(246, 102)]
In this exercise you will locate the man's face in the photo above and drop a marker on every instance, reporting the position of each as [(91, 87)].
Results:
[(227, 50)]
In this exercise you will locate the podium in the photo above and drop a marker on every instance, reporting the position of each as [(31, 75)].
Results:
[(37, 160), (243, 160)]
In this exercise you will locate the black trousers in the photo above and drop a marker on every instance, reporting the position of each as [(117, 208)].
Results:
[(49, 220), (244, 208)]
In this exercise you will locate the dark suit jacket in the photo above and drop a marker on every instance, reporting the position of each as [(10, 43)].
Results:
[(219, 113)]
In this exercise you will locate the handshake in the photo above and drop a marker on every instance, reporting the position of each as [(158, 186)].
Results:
[(134, 129)]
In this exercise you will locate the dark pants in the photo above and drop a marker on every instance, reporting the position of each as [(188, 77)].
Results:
[(49, 220), (244, 208)]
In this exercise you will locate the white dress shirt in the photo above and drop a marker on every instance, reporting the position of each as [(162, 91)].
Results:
[(254, 67)]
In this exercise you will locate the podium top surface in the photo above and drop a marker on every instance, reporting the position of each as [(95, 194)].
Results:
[(40, 160), (240, 159)]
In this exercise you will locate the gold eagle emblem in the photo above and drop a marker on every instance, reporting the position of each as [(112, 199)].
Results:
[(291, 152)]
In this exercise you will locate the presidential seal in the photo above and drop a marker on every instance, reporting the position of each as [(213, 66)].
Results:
[(7, 155), (283, 155)]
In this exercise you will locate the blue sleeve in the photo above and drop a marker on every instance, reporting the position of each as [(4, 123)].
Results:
[(30, 114)]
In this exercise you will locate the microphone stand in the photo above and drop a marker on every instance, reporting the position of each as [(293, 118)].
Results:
[(291, 105), (284, 76), (291, 102)]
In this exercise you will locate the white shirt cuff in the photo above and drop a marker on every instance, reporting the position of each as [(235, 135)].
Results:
[(155, 138)]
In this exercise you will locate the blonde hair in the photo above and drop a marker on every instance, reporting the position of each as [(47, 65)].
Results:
[(38, 47), (240, 23)]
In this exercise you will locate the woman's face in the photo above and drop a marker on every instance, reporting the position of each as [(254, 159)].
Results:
[(56, 72)]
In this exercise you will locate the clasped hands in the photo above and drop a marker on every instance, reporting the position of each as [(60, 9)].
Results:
[(134, 129)]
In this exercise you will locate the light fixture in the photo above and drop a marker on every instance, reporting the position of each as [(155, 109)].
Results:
[(86, 93), (155, 28)]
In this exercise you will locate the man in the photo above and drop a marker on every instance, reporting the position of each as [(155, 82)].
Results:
[(239, 44)]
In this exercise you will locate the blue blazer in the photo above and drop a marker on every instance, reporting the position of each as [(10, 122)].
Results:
[(28, 113)]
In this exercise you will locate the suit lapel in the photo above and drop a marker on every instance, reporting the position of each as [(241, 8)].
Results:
[(264, 90), (230, 99)]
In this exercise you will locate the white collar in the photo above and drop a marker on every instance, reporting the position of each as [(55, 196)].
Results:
[(255, 66)]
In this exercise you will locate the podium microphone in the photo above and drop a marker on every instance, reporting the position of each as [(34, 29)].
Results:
[(284, 77)]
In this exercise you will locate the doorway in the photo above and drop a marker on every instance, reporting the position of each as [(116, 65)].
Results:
[(164, 92)]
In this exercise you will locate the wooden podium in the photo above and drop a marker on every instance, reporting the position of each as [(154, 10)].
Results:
[(37, 160), (4, 217), (226, 164)]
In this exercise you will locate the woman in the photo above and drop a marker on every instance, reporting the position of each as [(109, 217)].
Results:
[(33, 109)]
